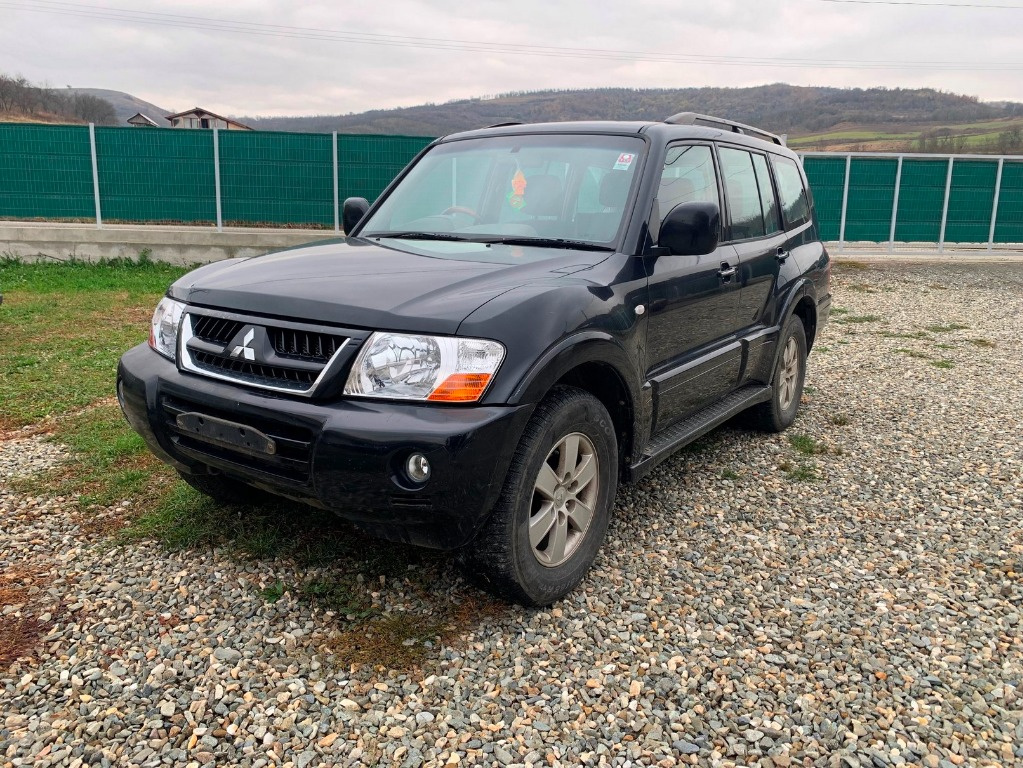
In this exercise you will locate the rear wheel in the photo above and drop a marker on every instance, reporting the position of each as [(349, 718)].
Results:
[(778, 413), (550, 520), (225, 490)]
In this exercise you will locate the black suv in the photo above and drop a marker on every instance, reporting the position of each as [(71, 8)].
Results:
[(526, 316)]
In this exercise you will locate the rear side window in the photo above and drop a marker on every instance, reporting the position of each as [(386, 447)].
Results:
[(794, 206), (768, 201), (742, 193)]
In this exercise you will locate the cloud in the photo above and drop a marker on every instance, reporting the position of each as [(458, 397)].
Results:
[(184, 62)]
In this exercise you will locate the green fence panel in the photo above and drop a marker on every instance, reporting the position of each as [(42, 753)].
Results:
[(156, 174), (277, 178), (1009, 224), (971, 200), (871, 194), (45, 172), (921, 197), (827, 180), (367, 164)]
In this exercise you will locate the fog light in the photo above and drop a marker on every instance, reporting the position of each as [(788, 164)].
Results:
[(417, 468)]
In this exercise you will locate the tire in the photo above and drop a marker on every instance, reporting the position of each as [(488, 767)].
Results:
[(778, 413), (502, 558), (225, 490)]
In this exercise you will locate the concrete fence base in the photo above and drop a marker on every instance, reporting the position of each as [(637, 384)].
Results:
[(33, 241)]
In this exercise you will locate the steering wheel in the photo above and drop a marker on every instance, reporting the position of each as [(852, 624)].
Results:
[(462, 209)]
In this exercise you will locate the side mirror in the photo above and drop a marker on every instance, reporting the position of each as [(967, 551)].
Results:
[(352, 212), (691, 229)]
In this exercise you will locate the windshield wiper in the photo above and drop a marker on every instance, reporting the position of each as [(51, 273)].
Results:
[(418, 236), (549, 242)]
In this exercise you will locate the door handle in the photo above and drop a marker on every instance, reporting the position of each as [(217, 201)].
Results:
[(781, 255), (727, 272)]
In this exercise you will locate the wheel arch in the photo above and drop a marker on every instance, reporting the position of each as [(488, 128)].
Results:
[(595, 363)]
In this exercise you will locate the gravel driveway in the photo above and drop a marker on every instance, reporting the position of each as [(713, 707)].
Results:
[(848, 593)]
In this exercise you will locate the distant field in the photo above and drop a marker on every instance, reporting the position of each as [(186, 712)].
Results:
[(978, 137)]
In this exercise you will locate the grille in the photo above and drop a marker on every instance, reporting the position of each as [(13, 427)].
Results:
[(256, 374), (293, 458), (288, 357), (217, 330), (304, 345)]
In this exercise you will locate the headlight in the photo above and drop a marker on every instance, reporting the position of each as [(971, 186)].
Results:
[(436, 368), (163, 332)]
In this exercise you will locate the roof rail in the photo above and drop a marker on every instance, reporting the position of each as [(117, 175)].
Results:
[(693, 118), (502, 125)]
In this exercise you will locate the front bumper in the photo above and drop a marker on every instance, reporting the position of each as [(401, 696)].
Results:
[(346, 455)]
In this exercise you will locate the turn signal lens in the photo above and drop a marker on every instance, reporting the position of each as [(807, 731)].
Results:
[(461, 388)]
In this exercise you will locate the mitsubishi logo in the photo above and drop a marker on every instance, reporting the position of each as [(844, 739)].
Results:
[(244, 349)]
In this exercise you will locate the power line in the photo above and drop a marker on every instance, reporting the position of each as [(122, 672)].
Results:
[(928, 5), (208, 24)]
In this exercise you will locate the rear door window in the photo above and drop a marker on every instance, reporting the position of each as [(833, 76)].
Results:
[(794, 204), (742, 193)]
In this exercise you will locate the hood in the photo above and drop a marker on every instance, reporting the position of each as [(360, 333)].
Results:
[(423, 286)]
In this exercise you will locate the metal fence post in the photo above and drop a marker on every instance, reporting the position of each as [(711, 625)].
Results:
[(95, 175), (944, 205), (337, 202), (895, 206), (216, 177), (845, 204), (994, 207)]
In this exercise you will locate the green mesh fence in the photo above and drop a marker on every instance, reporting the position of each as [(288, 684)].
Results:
[(971, 201), (45, 172), (827, 180), (921, 196), (367, 164), (276, 178), (286, 179), (871, 194), (151, 174), (1009, 223)]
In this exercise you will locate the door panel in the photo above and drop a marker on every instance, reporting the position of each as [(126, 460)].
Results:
[(693, 313)]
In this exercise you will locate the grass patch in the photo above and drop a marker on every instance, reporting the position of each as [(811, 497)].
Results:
[(913, 353), (806, 445), (851, 264), (946, 328), (74, 321), (803, 472), (729, 474), (858, 319), (839, 420), (861, 288), (943, 364), (404, 640), (839, 311), (900, 335), (985, 343)]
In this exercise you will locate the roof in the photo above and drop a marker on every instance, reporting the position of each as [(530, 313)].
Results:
[(664, 131), (206, 112), (146, 119)]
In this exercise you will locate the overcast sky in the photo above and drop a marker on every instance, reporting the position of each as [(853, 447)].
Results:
[(181, 53)]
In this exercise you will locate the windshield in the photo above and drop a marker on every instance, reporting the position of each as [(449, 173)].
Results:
[(554, 189)]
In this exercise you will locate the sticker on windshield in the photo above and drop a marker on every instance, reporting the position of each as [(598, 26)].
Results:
[(624, 161), (517, 197)]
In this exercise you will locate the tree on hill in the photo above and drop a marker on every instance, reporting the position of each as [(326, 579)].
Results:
[(20, 98)]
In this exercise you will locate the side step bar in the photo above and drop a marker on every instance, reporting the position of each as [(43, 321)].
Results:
[(670, 439)]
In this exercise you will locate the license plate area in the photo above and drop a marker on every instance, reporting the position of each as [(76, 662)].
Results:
[(226, 434)]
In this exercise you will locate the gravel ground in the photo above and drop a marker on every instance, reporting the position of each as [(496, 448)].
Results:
[(855, 603)]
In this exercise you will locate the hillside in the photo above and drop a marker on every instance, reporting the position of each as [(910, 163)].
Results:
[(24, 102), (794, 110), (125, 105)]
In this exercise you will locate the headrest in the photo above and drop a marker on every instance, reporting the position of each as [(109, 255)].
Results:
[(543, 196), (614, 188)]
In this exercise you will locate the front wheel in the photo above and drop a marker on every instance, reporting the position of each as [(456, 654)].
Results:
[(551, 517), (778, 413)]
